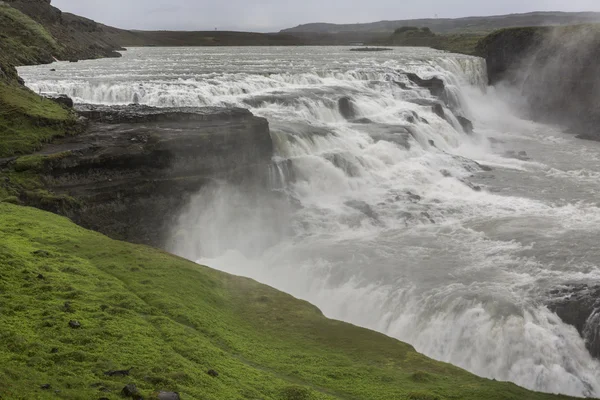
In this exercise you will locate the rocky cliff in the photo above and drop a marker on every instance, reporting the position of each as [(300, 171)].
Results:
[(556, 69), (134, 167)]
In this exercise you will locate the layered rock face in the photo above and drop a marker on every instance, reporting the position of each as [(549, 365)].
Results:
[(135, 166), (557, 70)]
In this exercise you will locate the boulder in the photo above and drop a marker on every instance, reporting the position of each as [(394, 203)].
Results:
[(579, 305), (346, 107), (63, 100)]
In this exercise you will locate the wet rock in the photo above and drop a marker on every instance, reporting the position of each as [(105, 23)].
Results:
[(46, 386), (402, 85), (362, 121), (446, 173), (346, 107), (435, 86), (74, 324), (414, 197), (363, 208), (466, 124), (579, 305), (168, 396), (63, 100), (213, 373), (438, 110), (431, 143), (53, 70)]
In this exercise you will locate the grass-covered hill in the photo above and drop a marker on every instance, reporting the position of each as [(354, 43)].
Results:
[(464, 43), (479, 25), (75, 305)]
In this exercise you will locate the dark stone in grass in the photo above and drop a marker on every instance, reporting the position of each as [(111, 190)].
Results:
[(122, 372), (46, 386), (41, 277), (213, 373), (74, 324), (41, 253), (103, 398), (130, 391), (54, 350), (168, 396)]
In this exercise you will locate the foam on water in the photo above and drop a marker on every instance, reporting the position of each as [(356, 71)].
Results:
[(380, 220)]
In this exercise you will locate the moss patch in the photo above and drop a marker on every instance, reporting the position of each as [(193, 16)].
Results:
[(27, 121), (173, 321)]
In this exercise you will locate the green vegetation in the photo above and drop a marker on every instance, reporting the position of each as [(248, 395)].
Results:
[(23, 40), (27, 121), (423, 37), (173, 321)]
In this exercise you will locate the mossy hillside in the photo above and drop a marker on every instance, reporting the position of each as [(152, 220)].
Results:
[(27, 121), (464, 43), (172, 321), (24, 41)]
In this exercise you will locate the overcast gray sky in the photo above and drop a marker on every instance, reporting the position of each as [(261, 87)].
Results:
[(273, 15)]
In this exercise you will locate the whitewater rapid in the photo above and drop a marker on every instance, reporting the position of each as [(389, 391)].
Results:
[(395, 219)]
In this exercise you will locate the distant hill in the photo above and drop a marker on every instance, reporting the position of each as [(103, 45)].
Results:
[(458, 25)]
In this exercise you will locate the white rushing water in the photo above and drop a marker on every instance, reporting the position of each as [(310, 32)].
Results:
[(379, 220)]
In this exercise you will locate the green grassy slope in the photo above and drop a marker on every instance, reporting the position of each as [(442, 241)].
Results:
[(27, 120), (23, 41), (172, 321)]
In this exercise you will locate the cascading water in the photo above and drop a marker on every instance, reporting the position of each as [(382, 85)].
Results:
[(385, 216)]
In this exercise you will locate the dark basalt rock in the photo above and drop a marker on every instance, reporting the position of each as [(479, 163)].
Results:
[(435, 86), (63, 100), (346, 107), (135, 167), (466, 124), (46, 386), (579, 305), (438, 110)]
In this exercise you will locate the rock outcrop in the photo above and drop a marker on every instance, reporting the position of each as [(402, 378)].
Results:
[(579, 305), (134, 167), (556, 69)]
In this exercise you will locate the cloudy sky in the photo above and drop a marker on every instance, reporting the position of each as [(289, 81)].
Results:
[(273, 15)]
